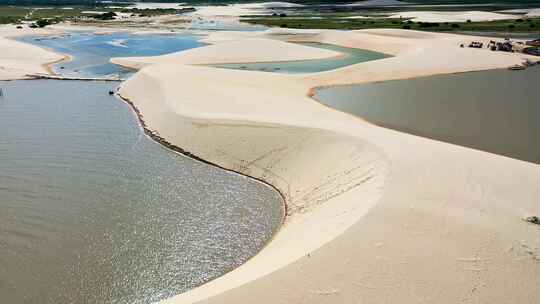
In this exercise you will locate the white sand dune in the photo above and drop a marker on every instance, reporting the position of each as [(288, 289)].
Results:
[(156, 5), (356, 17), (18, 59), (533, 13), (278, 4), (374, 215), (236, 51), (528, 12), (94, 12), (231, 10), (236, 10), (435, 16), (375, 3)]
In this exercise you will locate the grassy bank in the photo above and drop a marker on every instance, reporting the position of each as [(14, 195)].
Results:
[(17, 14), (10, 14), (339, 22)]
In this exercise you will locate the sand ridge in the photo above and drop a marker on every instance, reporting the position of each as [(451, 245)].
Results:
[(435, 16), (375, 215), (19, 59)]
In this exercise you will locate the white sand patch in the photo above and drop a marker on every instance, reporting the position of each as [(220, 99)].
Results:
[(356, 17), (533, 13), (118, 43), (244, 50), (528, 12), (18, 59), (277, 5), (434, 16), (375, 215), (94, 12), (236, 10), (232, 10), (122, 15), (375, 3), (151, 5)]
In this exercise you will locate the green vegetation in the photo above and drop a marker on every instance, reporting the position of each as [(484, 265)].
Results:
[(43, 22), (218, 2), (13, 11), (106, 16), (15, 14), (56, 13), (10, 14), (528, 25)]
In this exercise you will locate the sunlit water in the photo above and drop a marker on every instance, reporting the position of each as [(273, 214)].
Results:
[(495, 111), (93, 211), (350, 56), (91, 52)]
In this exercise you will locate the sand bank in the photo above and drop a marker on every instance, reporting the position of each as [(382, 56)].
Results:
[(241, 9), (434, 16), (374, 215), (19, 59), (376, 3), (528, 12), (245, 50)]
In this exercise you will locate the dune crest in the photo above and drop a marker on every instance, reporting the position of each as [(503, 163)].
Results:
[(373, 214)]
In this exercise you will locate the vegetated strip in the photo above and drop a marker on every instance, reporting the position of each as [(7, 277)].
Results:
[(518, 25)]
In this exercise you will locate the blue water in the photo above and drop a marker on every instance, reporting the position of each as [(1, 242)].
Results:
[(93, 211), (91, 53)]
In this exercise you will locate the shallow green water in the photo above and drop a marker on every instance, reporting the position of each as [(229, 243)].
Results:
[(495, 111), (352, 56), (93, 211)]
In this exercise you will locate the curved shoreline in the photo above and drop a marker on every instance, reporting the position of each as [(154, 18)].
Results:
[(166, 144), (49, 66), (175, 149), (154, 136), (172, 108), (322, 265)]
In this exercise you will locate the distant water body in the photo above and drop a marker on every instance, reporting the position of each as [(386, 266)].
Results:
[(93, 211), (495, 111), (350, 56), (91, 52)]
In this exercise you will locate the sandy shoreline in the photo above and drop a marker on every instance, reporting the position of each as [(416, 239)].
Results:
[(20, 59), (163, 141), (372, 214), (360, 169)]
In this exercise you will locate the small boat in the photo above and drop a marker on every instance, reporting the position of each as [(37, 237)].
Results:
[(517, 67)]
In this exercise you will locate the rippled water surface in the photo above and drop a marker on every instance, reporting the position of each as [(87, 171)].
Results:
[(495, 111), (350, 56), (93, 211)]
